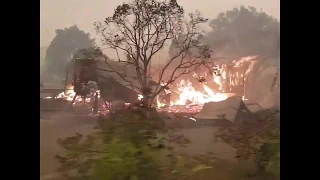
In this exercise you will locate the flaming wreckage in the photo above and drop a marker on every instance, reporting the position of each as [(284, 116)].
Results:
[(99, 82), (109, 86)]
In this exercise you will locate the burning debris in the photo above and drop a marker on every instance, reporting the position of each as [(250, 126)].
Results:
[(86, 93), (217, 84), (212, 84), (89, 95), (191, 95)]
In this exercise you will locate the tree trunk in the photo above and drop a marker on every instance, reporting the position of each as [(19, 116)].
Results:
[(145, 101), (261, 169)]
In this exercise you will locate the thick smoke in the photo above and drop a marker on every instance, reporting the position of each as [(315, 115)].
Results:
[(242, 32)]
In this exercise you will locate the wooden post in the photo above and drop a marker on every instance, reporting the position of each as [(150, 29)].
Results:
[(65, 83), (275, 77), (245, 79)]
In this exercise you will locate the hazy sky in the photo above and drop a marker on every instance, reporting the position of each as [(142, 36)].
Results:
[(55, 14)]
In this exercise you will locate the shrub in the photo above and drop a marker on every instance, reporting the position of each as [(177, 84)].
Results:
[(258, 140), (129, 146), (124, 160), (121, 150)]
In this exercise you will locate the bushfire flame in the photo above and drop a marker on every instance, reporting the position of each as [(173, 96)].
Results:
[(223, 77), (188, 95), (69, 95), (140, 97)]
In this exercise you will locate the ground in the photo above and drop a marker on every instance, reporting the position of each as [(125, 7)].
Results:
[(61, 124), (64, 124)]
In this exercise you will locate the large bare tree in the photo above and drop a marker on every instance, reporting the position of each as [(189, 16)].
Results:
[(138, 30)]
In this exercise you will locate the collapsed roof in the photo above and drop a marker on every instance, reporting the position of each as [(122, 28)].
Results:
[(121, 72), (232, 109)]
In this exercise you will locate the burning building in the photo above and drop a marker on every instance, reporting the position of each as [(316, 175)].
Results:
[(213, 83), (116, 80), (119, 81)]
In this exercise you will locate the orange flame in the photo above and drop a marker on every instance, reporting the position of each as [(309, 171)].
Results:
[(188, 93), (69, 95)]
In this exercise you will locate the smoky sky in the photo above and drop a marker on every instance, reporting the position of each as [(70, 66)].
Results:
[(57, 14)]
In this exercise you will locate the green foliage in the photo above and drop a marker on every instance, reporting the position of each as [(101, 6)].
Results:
[(122, 150), (273, 142), (258, 141), (124, 160), (128, 146)]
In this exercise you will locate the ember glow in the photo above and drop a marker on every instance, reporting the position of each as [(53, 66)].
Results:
[(212, 86), (188, 95), (226, 77), (140, 97), (69, 95)]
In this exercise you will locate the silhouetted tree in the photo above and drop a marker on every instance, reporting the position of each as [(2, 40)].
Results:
[(244, 31), (141, 28), (62, 47), (84, 53)]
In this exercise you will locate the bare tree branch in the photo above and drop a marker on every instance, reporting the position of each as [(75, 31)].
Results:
[(140, 29)]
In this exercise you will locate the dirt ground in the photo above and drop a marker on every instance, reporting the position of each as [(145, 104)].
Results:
[(62, 124), (65, 124)]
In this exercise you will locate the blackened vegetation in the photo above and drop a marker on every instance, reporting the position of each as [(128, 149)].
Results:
[(85, 70)]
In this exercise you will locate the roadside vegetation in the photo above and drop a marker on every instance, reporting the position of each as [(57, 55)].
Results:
[(128, 145)]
